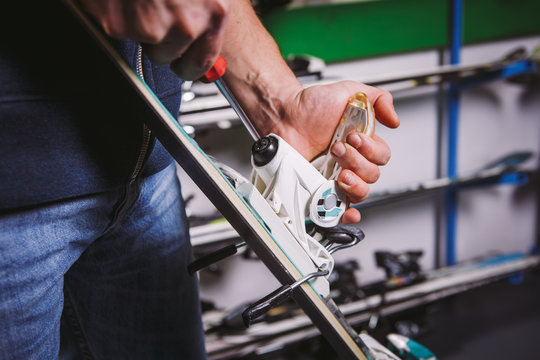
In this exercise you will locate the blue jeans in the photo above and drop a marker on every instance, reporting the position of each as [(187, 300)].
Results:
[(112, 265)]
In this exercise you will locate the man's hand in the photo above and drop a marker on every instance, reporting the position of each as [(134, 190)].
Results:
[(309, 122), (275, 101), (187, 34)]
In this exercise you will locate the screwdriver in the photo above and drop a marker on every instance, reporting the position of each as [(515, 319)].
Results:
[(215, 75), (358, 116)]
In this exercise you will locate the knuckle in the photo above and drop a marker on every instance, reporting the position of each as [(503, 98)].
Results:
[(361, 193), (189, 30), (152, 33), (387, 94), (370, 152), (349, 84), (382, 156), (386, 157), (383, 94), (114, 30), (220, 10), (373, 175), (190, 33)]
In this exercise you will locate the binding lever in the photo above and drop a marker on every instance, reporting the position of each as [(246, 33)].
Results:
[(214, 257), (340, 237), (275, 298)]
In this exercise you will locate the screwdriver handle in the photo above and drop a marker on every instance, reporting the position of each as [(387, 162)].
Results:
[(358, 116), (217, 70)]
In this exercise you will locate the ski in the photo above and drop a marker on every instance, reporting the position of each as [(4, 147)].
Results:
[(322, 311), (502, 170)]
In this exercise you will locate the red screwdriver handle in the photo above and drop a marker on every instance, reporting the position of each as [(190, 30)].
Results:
[(217, 70)]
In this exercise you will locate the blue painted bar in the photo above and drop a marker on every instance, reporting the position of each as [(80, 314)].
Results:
[(519, 67), (516, 178), (453, 130)]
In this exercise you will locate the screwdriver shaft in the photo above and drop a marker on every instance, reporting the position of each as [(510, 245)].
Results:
[(237, 108)]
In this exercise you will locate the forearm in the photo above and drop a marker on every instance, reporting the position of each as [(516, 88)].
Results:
[(256, 73)]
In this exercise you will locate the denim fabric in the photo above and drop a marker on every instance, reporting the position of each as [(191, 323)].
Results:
[(70, 125), (118, 259)]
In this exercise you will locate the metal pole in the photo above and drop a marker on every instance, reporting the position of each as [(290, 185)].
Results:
[(237, 108), (453, 130)]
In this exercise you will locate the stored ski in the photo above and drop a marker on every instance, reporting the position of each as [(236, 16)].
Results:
[(439, 284), (324, 313), (212, 110), (502, 169)]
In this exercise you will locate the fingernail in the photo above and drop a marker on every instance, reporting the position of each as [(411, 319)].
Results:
[(347, 179), (338, 150), (355, 140)]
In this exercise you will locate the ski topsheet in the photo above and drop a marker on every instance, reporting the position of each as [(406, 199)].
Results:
[(323, 312)]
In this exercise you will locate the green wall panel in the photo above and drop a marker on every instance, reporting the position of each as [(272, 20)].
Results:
[(359, 29), (349, 30), (487, 20)]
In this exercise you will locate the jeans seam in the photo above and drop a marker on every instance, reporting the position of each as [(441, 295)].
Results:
[(130, 195), (75, 325)]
